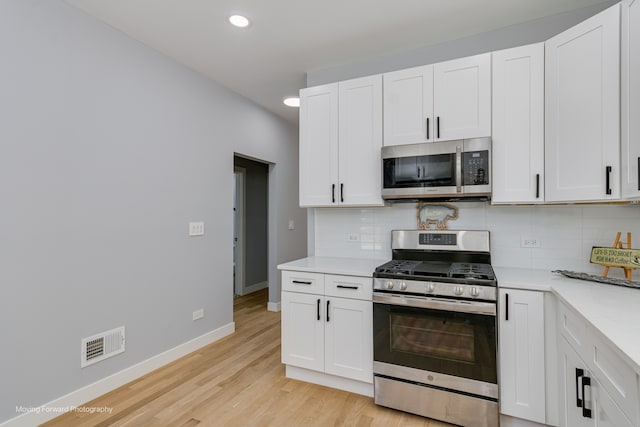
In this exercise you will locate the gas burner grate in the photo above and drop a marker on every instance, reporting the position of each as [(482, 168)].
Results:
[(471, 271), (398, 267)]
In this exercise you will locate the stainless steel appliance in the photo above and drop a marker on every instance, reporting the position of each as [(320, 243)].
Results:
[(434, 327), (446, 169)]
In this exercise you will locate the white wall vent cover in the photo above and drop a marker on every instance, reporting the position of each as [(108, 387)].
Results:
[(102, 346)]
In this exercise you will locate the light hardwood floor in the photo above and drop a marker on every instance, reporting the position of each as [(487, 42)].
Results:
[(237, 381)]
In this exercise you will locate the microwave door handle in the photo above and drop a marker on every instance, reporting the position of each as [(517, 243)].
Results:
[(458, 169)]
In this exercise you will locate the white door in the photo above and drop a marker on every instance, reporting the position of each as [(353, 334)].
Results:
[(582, 110), (348, 338), (319, 145), (571, 387), (408, 106), (462, 97), (360, 142), (630, 74), (303, 330), (518, 125), (522, 352)]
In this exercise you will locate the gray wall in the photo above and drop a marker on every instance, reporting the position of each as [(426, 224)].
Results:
[(255, 212), (107, 151), (515, 35)]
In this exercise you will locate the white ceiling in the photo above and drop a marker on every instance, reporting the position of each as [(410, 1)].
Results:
[(287, 38)]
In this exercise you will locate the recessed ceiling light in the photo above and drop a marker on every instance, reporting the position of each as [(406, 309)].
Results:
[(292, 101), (239, 21)]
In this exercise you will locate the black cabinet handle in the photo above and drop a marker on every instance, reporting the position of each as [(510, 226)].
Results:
[(506, 307), (638, 173), (579, 374), (347, 287), (608, 173), (428, 137), (333, 193), (318, 308), (586, 412), (438, 127), (419, 170), (537, 186), (328, 310), (300, 282), (341, 192)]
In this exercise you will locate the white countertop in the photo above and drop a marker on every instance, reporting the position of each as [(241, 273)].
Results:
[(334, 265), (612, 310)]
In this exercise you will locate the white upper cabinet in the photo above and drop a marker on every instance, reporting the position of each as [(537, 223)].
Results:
[(582, 111), (340, 142), (630, 85), (462, 97), (518, 125), (318, 145), (444, 101), (408, 106)]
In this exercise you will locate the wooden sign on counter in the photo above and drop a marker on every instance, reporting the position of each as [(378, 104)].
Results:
[(617, 256)]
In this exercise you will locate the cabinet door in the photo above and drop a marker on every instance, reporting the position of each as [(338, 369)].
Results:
[(348, 338), (522, 353), (408, 106), (303, 330), (582, 110), (360, 142), (630, 85), (319, 145), (570, 386), (518, 125), (462, 97)]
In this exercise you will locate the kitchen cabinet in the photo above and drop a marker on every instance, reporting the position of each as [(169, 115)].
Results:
[(522, 354), (327, 323), (443, 101), (593, 375), (518, 125), (582, 111), (630, 101), (340, 142)]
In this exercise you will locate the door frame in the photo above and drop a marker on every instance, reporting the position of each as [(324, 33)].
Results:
[(240, 175)]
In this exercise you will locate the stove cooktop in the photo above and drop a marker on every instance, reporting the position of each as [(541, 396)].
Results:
[(424, 270)]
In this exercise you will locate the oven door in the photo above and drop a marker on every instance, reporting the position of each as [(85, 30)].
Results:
[(435, 341)]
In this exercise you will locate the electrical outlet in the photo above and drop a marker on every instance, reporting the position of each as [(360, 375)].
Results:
[(196, 228), (529, 242), (353, 237), (198, 314)]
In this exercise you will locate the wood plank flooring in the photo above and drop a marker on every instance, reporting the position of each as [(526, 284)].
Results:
[(237, 381)]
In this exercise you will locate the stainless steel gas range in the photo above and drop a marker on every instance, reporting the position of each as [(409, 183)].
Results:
[(434, 327)]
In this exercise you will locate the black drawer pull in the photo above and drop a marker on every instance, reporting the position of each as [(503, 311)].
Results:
[(506, 307), (333, 193), (579, 374), (608, 173), (318, 308), (438, 127), (428, 136), (341, 193), (537, 186), (299, 282), (328, 310), (347, 287)]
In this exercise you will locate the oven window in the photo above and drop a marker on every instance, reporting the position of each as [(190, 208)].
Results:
[(427, 336), (458, 344), (420, 171)]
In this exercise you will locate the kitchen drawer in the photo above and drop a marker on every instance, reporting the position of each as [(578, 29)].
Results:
[(301, 281), (615, 375), (574, 328), (354, 287)]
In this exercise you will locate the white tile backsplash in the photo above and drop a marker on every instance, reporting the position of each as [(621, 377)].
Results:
[(566, 232)]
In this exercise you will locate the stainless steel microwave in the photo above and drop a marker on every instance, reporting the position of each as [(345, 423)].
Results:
[(459, 168)]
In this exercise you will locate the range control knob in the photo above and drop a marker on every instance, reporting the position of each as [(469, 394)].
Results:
[(474, 292), (429, 288), (458, 290), (389, 285), (403, 286)]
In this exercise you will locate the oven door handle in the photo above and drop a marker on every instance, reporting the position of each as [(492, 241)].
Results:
[(474, 307)]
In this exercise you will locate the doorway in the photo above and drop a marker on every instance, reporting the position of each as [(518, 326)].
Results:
[(250, 237)]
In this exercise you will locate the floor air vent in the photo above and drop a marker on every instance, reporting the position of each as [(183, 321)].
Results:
[(102, 346)]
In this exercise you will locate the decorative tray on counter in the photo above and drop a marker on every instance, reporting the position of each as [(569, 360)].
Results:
[(600, 279)]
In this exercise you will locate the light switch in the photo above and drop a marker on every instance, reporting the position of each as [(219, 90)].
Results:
[(291, 224), (196, 228)]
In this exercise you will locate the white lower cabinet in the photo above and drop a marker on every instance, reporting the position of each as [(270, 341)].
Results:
[(328, 333), (597, 387), (522, 354)]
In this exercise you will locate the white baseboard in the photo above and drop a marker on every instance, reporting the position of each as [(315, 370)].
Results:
[(507, 421), (48, 411), (255, 287), (274, 306), (327, 380)]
